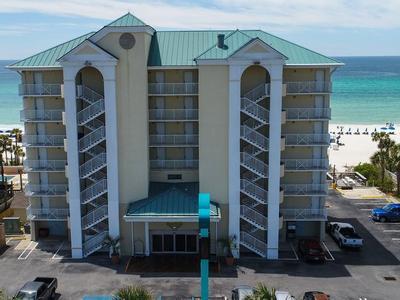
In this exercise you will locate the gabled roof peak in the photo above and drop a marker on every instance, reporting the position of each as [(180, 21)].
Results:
[(126, 20)]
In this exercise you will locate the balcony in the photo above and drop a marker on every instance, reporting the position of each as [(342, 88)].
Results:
[(40, 89), (307, 114), (307, 139), (308, 87), (43, 141), (41, 115), (46, 190), (47, 214), (173, 89), (173, 114), (44, 165), (300, 190), (304, 214), (173, 164), (299, 165), (172, 140)]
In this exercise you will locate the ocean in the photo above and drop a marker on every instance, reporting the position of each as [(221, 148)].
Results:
[(365, 91)]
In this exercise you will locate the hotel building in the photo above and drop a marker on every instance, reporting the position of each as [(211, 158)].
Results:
[(126, 125)]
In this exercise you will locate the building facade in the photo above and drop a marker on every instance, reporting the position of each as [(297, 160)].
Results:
[(126, 125)]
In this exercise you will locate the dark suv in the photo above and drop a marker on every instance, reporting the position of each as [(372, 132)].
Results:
[(311, 250)]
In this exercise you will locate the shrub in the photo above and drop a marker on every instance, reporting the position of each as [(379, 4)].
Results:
[(262, 292), (133, 293), (369, 171), (388, 185)]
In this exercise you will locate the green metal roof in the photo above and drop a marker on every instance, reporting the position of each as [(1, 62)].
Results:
[(48, 58), (127, 20), (175, 48), (175, 200), (181, 48)]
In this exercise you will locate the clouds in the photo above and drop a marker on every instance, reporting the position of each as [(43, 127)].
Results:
[(277, 14)]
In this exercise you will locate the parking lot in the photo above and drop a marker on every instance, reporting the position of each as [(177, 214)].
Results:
[(372, 273)]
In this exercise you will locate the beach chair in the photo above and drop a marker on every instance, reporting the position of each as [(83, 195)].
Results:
[(366, 131), (357, 132)]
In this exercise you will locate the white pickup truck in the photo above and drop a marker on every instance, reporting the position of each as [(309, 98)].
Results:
[(345, 235)]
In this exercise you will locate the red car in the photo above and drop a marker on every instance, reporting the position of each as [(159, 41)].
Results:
[(315, 296), (311, 250)]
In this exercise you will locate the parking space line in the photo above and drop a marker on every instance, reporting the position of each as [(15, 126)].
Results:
[(55, 256), (8, 240), (33, 244), (369, 203), (365, 209), (391, 230), (329, 252), (387, 223), (395, 239)]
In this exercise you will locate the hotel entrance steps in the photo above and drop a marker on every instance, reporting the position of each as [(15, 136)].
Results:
[(94, 217), (94, 243), (94, 191), (93, 165), (252, 243)]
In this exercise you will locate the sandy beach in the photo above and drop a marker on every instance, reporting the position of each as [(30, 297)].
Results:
[(357, 148)]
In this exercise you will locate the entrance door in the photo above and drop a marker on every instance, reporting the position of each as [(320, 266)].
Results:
[(174, 242)]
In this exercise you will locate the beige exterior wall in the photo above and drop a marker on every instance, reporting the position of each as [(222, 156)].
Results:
[(302, 74), (162, 176), (132, 104), (173, 76), (55, 76), (252, 77), (213, 131), (173, 102)]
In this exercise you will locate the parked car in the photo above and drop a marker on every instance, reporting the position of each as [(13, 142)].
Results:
[(42, 288), (345, 235), (314, 295), (311, 250), (390, 212)]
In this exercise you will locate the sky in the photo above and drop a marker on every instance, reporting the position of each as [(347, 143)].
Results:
[(331, 27)]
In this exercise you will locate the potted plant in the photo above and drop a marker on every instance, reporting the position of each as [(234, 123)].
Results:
[(233, 246), (114, 246), (229, 259)]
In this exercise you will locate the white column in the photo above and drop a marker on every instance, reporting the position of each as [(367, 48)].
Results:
[(274, 161), (234, 151), (110, 100), (146, 239), (73, 162)]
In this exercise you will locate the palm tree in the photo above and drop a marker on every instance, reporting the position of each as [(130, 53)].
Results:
[(18, 152), (17, 134), (262, 292), (381, 157), (394, 161), (2, 150), (5, 141)]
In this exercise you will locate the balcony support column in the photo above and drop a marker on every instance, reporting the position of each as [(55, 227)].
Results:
[(73, 161), (110, 99), (274, 161), (235, 72)]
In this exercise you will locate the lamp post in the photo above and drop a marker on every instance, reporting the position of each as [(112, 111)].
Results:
[(204, 228)]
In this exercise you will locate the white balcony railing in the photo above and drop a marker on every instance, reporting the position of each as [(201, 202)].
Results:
[(173, 88), (44, 165), (307, 139), (94, 243), (305, 214), (94, 191), (254, 164), (47, 214), (43, 140), (40, 89), (306, 164), (305, 189), (252, 242), (93, 164), (258, 92), (54, 115), (254, 137), (254, 191), (174, 164), (92, 138), (173, 114), (253, 216), (308, 87), (174, 139), (91, 111), (308, 113), (95, 216), (43, 190)]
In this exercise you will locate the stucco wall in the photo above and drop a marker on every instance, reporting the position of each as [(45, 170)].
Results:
[(132, 104)]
